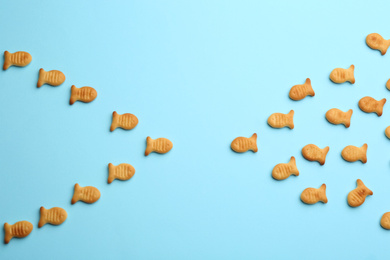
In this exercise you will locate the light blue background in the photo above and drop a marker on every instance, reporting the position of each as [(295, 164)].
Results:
[(199, 73)]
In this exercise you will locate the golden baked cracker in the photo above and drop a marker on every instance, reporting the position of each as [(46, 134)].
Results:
[(123, 171), (357, 196), (19, 229), (283, 170), (312, 195), (54, 216), (340, 75), (279, 120), (125, 121), (376, 42), (352, 153), (299, 92), (336, 116), (159, 145), (370, 105), (19, 59), (86, 194), (243, 144), (387, 132), (312, 152), (52, 77), (388, 84), (83, 94), (385, 220)]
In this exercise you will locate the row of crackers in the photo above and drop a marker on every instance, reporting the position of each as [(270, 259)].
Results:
[(88, 194)]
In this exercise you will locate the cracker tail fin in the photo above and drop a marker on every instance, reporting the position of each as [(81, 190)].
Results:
[(382, 102), (7, 60), (351, 69), (149, 146), (75, 197), (42, 220), (7, 233), (254, 138), (310, 90), (111, 175), (348, 118), (291, 119), (294, 169), (73, 96), (324, 199), (114, 123), (325, 152), (383, 52), (40, 78), (364, 149)]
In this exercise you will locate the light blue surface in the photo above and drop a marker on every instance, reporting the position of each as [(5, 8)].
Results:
[(199, 73)]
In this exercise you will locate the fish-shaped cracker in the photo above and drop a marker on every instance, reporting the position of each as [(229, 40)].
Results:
[(19, 229), (387, 132), (19, 59), (340, 75), (376, 42), (83, 94), (357, 196), (371, 105), (123, 171), (125, 121), (159, 145), (385, 220), (52, 77), (279, 120), (312, 152), (336, 116), (243, 144), (312, 195), (352, 153), (86, 194), (299, 92), (54, 216), (283, 170)]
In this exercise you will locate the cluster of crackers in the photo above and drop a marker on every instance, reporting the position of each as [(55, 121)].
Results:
[(87, 194), (335, 116)]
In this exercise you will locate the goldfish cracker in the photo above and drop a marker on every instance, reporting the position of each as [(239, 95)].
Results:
[(376, 42), (312, 195), (388, 84), (336, 116), (54, 216), (86, 194), (126, 121), (352, 153), (385, 220), (283, 170), (340, 75), (387, 132), (19, 59), (370, 105), (312, 152), (84, 94), (53, 78), (122, 172), (19, 229), (299, 92), (357, 196), (159, 145), (243, 144), (279, 120)]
